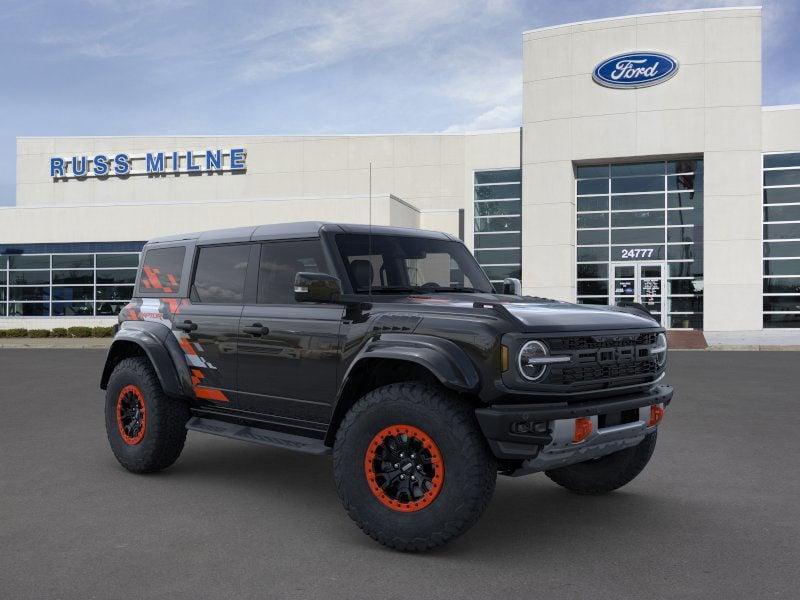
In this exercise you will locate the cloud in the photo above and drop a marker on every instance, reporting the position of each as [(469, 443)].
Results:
[(105, 29), (498, 117), (323, 37)]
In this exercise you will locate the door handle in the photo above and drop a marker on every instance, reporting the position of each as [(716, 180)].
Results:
[(186, 326), (256, 329)]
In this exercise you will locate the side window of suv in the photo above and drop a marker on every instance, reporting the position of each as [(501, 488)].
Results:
[(220, 274), (280, 262), (161, 270)]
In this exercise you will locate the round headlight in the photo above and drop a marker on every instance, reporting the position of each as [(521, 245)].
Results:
[(660, 349), (527, 361)]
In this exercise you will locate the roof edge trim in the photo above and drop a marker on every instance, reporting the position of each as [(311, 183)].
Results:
[(652, 14)]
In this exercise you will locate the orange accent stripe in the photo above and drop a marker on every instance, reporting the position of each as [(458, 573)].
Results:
[(210, 394), (187, 346), (172, 303)]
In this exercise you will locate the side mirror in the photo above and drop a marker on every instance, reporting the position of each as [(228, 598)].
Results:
[(316, 287), (512, 286)]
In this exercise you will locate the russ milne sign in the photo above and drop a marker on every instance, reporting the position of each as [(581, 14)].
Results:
[(635, 70), (151, 163)]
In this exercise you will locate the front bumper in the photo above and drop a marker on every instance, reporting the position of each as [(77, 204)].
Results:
[(549, 444)]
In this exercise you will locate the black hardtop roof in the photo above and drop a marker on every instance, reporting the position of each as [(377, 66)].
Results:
[(302, 229)]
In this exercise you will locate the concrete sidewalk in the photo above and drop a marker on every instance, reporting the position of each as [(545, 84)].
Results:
[(764, 339)]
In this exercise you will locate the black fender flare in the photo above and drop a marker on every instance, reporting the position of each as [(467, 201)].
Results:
[(443, 358), (163, 351)]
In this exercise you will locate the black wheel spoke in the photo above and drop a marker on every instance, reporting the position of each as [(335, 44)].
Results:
[(417, 491), (390, 476)]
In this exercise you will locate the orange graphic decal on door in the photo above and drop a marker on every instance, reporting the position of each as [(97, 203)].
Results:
[(204, 392)]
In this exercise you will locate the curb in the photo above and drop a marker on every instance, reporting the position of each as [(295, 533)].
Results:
[(741, 348), (56, 343)]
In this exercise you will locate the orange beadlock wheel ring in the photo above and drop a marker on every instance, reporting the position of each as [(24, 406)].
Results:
[(131, 415), (404, 468)]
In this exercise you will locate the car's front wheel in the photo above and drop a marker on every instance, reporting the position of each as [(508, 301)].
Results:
[(411, 466), (145, 428)]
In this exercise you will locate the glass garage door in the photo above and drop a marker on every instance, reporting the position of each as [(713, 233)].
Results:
[(649, 216)]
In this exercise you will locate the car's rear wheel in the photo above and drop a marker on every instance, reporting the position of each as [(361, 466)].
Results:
[(145, 428), (607, 473), (411, 466)]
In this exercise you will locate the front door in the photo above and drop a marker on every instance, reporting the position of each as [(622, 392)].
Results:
[(289, 352), (641, 282)]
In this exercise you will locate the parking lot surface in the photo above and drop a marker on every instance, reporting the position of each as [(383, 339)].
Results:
[(715, 515)]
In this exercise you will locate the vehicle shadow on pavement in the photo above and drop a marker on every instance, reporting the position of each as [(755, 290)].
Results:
[(522, 510), (535, 511)]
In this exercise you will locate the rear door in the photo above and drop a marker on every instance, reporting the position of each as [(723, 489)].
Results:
[(207, 326), (288, 351)]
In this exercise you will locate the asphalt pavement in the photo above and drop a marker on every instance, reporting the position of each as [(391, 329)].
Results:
[(715, 515)]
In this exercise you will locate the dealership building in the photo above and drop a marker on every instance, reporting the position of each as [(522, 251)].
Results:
[(645, 168)]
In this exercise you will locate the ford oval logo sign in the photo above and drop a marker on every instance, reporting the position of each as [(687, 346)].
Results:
[(635, 70)]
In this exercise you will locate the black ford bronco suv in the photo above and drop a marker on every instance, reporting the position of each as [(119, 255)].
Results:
[(390, 349)]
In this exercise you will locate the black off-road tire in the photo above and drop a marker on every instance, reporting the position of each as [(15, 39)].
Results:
[(469, 468), (165, 430), (607, 473)]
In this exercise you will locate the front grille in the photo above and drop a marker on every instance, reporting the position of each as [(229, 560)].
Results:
[(604, 361)]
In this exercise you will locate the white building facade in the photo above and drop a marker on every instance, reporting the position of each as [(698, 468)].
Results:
[(646, 169)]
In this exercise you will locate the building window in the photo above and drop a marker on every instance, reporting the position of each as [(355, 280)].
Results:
[(640, 237), (498, 223), (781, 304), (66, 284)]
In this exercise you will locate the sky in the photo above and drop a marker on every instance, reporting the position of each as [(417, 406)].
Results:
[(161, 67)]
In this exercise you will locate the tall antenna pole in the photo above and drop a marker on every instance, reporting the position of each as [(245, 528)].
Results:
[(370, 232)]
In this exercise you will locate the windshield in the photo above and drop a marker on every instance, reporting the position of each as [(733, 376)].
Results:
[(399, 264)]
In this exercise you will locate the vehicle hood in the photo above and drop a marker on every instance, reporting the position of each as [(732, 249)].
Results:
[(541, 314), (562, 316)]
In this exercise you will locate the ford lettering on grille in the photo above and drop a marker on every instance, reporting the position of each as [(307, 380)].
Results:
[(602, 360)]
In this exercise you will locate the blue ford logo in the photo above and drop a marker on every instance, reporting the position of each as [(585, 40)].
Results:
[(635, 70)]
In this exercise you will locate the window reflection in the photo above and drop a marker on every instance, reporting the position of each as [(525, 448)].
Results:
[(498, 223), (781, 248), (65, 284)]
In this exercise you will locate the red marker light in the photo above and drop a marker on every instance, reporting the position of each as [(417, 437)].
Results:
[(583, 429), (656, 414)]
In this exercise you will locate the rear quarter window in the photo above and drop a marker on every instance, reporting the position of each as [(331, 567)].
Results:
[(161, 270), (220, 274)]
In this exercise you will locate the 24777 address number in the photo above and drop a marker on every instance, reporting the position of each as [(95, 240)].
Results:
[(637, 253)]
